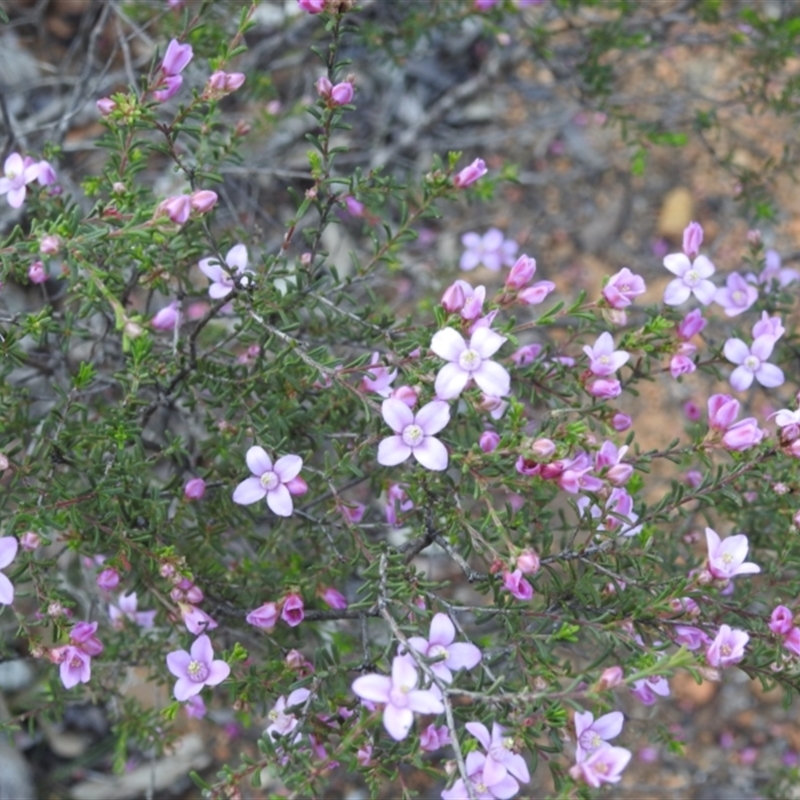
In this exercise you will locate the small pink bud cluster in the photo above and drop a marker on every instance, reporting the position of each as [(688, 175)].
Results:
[(75, 658), (188, 596), (18, 172), (221, 83), (339, 94), (175, 61), (179, 207), (290, 609), (722, 413), (782, 623)]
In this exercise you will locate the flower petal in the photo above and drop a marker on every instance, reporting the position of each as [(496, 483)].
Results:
[(178, 663), (218, 671), (704, 292), (219, 290), (486, 342), (424, 702), (769, 376), (450, 381), (393, 451), (202, 650), (678, 264), (373, 687), (493, 379), (397, 721), (258, 462), (236, 258), (432, 454), (736, 351), (288, 467), (280, 501), (9, 546), (448, 344), (609, 725), (249, 491), (480, 732), (211, 268), (703, 267), (677, 292), (6, 591), (762, 346), (184, 689), (463, 655), (396, 414), (442, 630), (741, 379), (433, 417)]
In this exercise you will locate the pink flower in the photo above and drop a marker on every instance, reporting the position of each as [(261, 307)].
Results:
[(16, 177), (378, 378), (312, 6), (792, 641), (108, 579), (521, 273), (680, 363), (265, 616), (342, 93), (722, 411), (433, 738), (482, 787), (168, 318), (406, 394), (622, 288), (29, 541), (49, 245), (691, 325), (196, 669), (528, 562), (83, 637), (37, 272), (692, 239), (293, 611), (608, 456), (400, 694), (692, 279), (281, 723), (353, 513), (742, 434), (76, 666), (221, 83), (621, 422), (736, 296), (690, 637), (195, 707), (515, 583), (105, 105), (394, 495), (194, 489), (176, 58), (592, 733), (489, 441), (768, 326), (646, 689), (334, 598), (752, 363), (126, 608), (610, 678), (222, 279), (454, 297), (727, 648), (526, 354), (440, 649), (268, 481), (605, 388), (727, 559), (414, 434), (773, 272), (501, 760), (468, 175), (492, 250), (195, 619), (171, 84), (47, 174), (8, 552), (533, 295), (177, 208), (603, 358), (355, 207), (604, 765), (781, 621), (469, 361), (473, 302), (203, 200)]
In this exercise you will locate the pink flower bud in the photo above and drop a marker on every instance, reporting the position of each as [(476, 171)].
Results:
[(355, 207), (781, 621), (176, 58), (406, 394), (177, 208), (168, 318), (105, 105), (334, 598), (605, 388), (722, 411), (528, 562), (517, 585), (167, 571), (453, 298), (171, 84), (468, 175), (49, 245), (691, 325), (521, 273), (693, 478), (203, 200), (621, 422), (489, 441), (691, 410), (681, 365), (194, 489), (216, 82), (264, 617), (754, 237), (610, 678), (692, 239), (297, 486), (543, 448), (37, 273), (294, 660), (535, 294), (312, 6), (342, 93), (108, 579), (234, 81), (742, 435), (526, 354), (293, 612), (29, 541), (324, 86)]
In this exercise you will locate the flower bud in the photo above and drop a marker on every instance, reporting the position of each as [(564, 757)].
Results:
[(177, 208), (203, 200), (49, 245), (312, 6), (342, 93), (293, 612), (692, 239), (621, 422), (37, 273), (406, 394), (324, 86), (194, 489), (543, 448), (105, 105), (334, 598), (108, 579), (264, 617), (453, 298), (470, 174), (29, 541), (168, 318), (176, 58), (605, 388), (521, 273), (489, 441), (528, 562), (610, 678)]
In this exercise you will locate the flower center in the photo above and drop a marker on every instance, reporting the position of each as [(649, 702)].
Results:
[(469, 360), (601, 767), (399, 696), (624, 289), (413, 435), (438, 651), (508, 743), (752, 363), (198, 671), (727, 558), (270, 481), (691, 278), (725, 650), (481, 788), (75, 662), (738, 297)]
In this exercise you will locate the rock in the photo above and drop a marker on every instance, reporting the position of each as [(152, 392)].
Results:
[(676, 212), (15, 776)]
